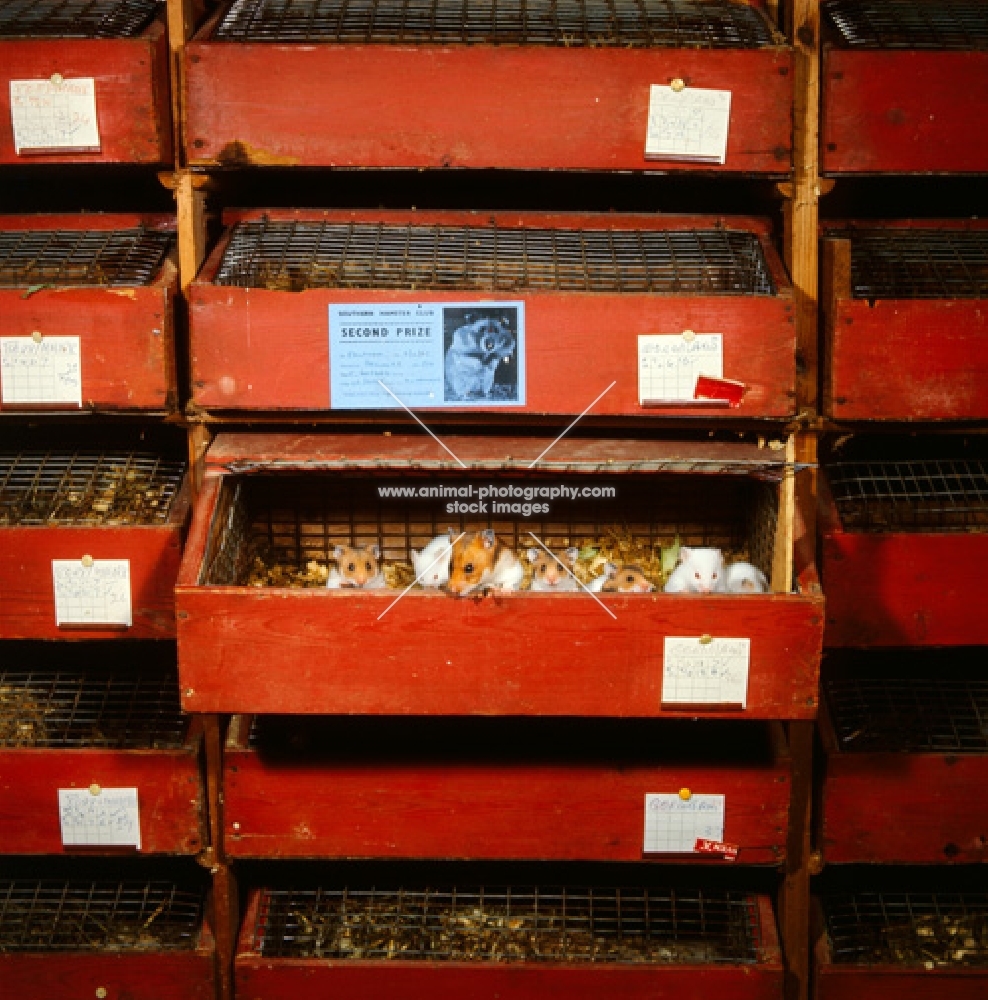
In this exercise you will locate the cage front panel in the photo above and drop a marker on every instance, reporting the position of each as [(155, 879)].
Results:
[(113, 289), (353, 652), (518, 106), (131, 88), (591, 285), (478, 789)]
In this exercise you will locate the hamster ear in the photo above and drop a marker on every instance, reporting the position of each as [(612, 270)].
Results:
[(488, 538), (374, 549), (451, 531), (684, 553), (338, 551), (415, 556), (572, 554), (610, 570), (533, 554)]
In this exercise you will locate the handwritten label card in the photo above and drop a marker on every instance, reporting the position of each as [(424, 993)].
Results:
[(102, 817), (673, 825), (670, 364), (40, 371), (54, 115), (92, 592), (687, 124), (714, 672)]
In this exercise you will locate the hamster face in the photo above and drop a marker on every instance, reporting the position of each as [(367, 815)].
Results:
[(472, 561), (627, 580), (357, 567), (704, 569), (473, 356), (548, 574), (432, 563)]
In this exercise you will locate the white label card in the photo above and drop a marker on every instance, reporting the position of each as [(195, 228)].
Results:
[(54, 115), (714, 672), (673, 824), (45, 371), (688, 124), (109, 818), (670, 364), (95, 594)]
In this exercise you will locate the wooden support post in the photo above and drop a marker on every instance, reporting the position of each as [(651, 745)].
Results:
[(836, 286), (782, 558)]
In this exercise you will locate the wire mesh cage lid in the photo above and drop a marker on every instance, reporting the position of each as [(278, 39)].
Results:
[(909, 714), (114, 257), (597, 23), (87, 487), (889, 263), (910, 24), (510, 923), (74, 18), (929, 929), (938, 495), (294, 255), (82, 915), (131, 709)]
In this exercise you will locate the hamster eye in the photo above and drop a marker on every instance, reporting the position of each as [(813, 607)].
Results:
[(488, 344), (629, 579), (713, 576), (697, 575), (351, 567), (468, 568), (367, 566), (543, 570)]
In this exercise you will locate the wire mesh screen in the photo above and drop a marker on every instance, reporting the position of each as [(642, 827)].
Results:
[(919, 264), (76, 915), (903, 714), (92, 488), (81, 256), (530, 923), (294, 255), (947, 495), (269, 530), (75, 18), (908, 928), (910, 24), (130, 710), (624, 23)]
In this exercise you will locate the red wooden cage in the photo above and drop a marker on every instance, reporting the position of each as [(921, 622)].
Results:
[(911, 293), (105, 715), (479, 788), (443, 84), (589, 286), (901, 86), (58, 45), (105, 286), (281, 500), (511, 942)]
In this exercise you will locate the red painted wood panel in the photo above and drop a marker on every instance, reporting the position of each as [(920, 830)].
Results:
[(906, 589), (523, 107), (146, 976), (126, 335), (902, 111), (518, 810), (169, 795), (27, 600), (878, 982), (132, 92)]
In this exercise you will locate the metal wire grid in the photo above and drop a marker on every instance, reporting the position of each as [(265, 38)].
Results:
[(76, 915), (941, 495), (82, 487), (908, 928), (625, 23), (125, 710), (74, 18), (81, 256), (908, 714), (910, 24), (529, 923), (296, 255), (919, 263)]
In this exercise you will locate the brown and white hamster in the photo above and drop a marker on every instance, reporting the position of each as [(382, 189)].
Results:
[(625, 579), (356, 568), (479, 560), (547, 575)]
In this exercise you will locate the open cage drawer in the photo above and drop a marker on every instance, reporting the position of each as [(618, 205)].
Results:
[(508, 941), (915, 945), (902, 83), (84, 82), (260, 632), (90, 538), (904, 538), (513, 313), (913, 293), (104, 716), (494, 788), (87, 312), (467, 84), (906, 757), (130, 938)]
